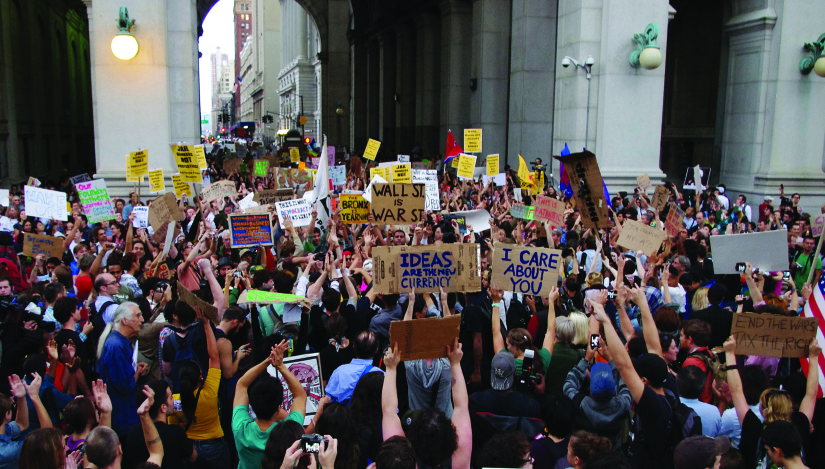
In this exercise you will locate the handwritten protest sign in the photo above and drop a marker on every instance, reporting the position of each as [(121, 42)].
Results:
[(453, 267), (141, 216), (338, 174), (232, 166), (817, 225), (372, 149), (269, 298), (354, 208), (187, 163), (400, 204), (472, 140), (298, 210), (260, 167), (259, 209), (163, 210), (80, 178), (640, 237), (307, 368), (549, 209), (156, 182), (428, 177), (527, 270), (273, 196), (674, 221), (492, 165), (201, 156), (219, 190), (424, 339), (524, 212), (383, 171), (402, 173), (766, 250), (209, 311), (466, 164), (770, 335), (250, 230), (660, 196), (643, 181), (588, 187), (94, 197), (45, 203), (49, 246)]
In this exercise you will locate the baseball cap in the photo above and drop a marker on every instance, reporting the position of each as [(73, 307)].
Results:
[(244, 252), (652, 367), (59, 235), (503, 368), (699, 451), (602, 385)]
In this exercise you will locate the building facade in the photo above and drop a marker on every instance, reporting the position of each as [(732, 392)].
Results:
[(248, 70), (266, 29), (243, 30), (219, 62)]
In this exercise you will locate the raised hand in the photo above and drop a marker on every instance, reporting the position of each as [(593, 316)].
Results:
[(454, 353), (553, 294), (150, 400), (391, 357), (33, 388), (730, 345), (18, 386), (101, 396)]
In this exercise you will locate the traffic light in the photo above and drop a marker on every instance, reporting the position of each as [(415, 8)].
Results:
[(223, 130), (307, 140)]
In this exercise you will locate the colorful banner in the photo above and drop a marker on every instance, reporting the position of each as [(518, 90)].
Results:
[(94, 197), (250, 230)]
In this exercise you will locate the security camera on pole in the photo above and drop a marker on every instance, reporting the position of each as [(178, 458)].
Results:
[(587, 66)]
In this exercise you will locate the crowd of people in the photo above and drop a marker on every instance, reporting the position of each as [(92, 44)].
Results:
[(628, 362)]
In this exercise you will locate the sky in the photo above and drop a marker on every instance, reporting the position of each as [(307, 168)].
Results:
[(218, 31)]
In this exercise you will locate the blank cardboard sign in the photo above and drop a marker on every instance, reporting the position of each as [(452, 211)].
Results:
[(766, 251), (421, 339)]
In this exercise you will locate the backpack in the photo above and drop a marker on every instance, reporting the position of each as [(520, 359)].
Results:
[(713, 366), (684, 423), (184, 351), (93, 337)]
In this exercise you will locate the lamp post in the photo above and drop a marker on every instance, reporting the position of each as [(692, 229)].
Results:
[(587, 66), (816, 57), (647, 54), (124, 45)]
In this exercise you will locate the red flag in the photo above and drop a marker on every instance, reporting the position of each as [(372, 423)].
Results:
[(453, 149)]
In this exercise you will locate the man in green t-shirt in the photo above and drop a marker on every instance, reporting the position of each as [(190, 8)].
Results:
[(803, 262), (251, 435)]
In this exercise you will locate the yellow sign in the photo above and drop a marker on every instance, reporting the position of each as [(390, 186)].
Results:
[(402, 173), (303, 120), (472, 140), (201, 156), (372, 149), (302, 165), (156, 180), (187, 163), (454, 163), (383, 171), (138, 163), (466, 165), (492, 165), (129, 176), (294, 154), (180, 186)]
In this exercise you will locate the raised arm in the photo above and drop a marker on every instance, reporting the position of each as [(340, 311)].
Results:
[(242, 388), (19, 391), (651, 333), (217, 292), (625, 323), (809, 401), (756, 294), (104, 403), (498, 340), (734, 381), (150, 432), (461, 410), (391, 424), (211, 342), (550, 335), (33, 390), (299, 394), (410, 305), (620, 355)]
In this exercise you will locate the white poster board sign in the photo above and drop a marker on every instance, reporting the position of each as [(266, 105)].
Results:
[(428, 177), (45, 203), (141, 217), (478, 219), (766, 251), (299, 210)]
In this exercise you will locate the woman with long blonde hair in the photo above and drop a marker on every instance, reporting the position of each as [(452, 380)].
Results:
[(700, 299)]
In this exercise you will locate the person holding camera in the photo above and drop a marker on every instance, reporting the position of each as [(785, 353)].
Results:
[(804, 261)]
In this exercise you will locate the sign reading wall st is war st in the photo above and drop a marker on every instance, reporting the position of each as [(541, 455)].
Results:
[(453, 267), (398, 204)]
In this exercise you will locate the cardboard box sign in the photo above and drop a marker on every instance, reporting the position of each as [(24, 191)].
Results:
[(639, 237), (550, 210), (643, 181), (588, 189), (421, 339), (660, 196), (398, 204), (163, 210), (49, 246), (454, 267), (771, 335), (232, 166), (250, 230), (192, 300), (273, 196), (526, 270), (674, 221)]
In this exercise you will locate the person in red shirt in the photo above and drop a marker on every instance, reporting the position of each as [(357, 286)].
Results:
[(695, 339)]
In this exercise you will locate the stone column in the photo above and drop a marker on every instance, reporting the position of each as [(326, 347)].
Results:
[(456, 60), (300, 31), (427, 81), (373, 89), (358, 106), (405, 67), (491, 70), (335, 82), (386, 98)]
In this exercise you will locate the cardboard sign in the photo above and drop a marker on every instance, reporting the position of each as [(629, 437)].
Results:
[(454, 267), (209, 311), (422, 339), (660, 196), (639, 237), (674, 221), (307, 368), (164, 272), (94, 197), (399, 204), (187, 163), (181, 188), (273, 196), (141, 216), (201, 156), (527, 270), (523, 211), (550, 210), (232, 166), (162, 235), (372, 149), (492, 165), (156, 182), (260, 167), (269, 298), (643, 181), (588, 188), (428, 177), (259, 209), (383, 171), (163, 210), (250, 230), (817, 226), (766, 251), (49, 246), (771, 335), (299, 210), (219, 190), (45, 203), (402, 173), (338, 175), (466, 165), (472, 140), (354, 208), (80, 178)]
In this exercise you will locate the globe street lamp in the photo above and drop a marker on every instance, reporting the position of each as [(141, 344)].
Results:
[(124, 44)]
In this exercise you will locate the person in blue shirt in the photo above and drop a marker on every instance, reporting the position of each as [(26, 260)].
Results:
[(118, 367), (11, 432), (343, 380)]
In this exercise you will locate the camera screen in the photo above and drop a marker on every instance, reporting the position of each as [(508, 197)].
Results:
[(594, 340), (310, 447)]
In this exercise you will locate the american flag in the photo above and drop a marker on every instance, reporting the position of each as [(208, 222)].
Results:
[(814, 308)]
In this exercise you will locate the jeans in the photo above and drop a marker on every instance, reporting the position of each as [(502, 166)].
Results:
[(211, 454)]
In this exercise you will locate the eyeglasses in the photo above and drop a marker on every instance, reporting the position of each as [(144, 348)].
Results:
[(112, 283)]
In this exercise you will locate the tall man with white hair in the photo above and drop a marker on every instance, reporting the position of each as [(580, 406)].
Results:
[(118, 366)]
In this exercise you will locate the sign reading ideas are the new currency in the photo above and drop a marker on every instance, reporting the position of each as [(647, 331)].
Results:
[(453, 267), (187, 163), (45, 203), (398, 204), (94, 197), (527, 270)]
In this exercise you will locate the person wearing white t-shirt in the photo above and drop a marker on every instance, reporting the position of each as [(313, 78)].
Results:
[(673, 292)]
